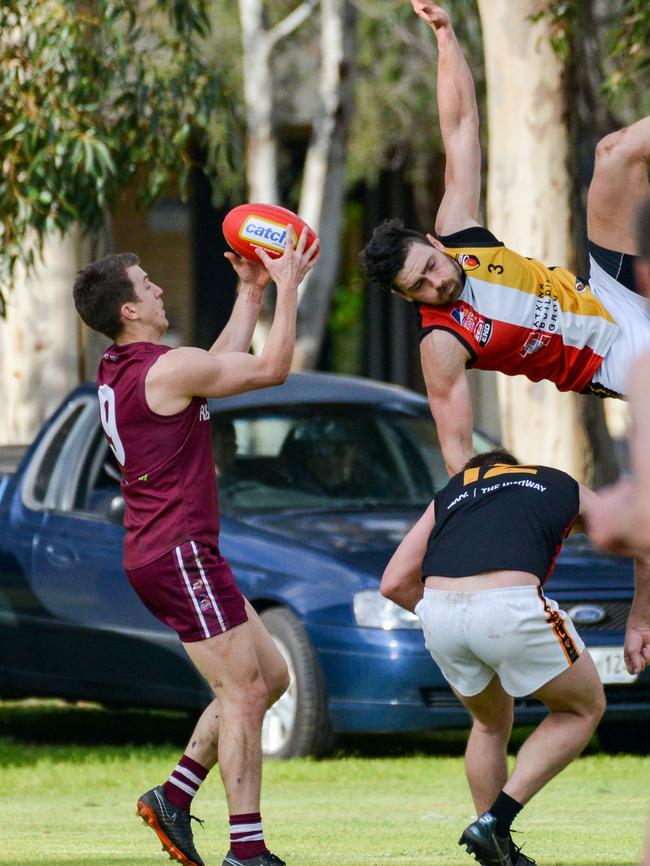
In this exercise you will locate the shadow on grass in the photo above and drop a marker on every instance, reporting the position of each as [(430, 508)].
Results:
[(58, 723), (449, 743)]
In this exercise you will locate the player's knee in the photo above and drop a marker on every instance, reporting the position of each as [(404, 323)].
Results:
[(592, 706), (279, 684), (249, 702), (497, 727), (598, 706)]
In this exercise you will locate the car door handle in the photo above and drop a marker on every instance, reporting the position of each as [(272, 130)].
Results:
[(61, 555)]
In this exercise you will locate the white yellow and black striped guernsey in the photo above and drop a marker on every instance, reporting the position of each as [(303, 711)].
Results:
[(518, 316)]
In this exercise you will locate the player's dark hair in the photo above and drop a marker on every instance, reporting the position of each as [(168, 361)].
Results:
[(100, 290), (384, 255), (489, 458), (643, 230)]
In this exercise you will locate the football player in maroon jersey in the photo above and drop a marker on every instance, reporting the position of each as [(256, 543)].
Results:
[(155, 415)]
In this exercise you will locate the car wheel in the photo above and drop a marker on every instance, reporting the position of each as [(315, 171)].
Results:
[(624, 737), (298, 723)]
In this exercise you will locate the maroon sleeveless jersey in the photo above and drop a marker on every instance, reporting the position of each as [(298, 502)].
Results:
[(168, 478)]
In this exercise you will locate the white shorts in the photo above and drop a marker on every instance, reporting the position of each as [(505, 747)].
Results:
[(632, 315), (514, 632)]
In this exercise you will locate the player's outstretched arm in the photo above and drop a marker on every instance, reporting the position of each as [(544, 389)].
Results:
[(459, 125), (238, 332), (597, 510), (402, 578), (620, 519), (443, 364), (184, 373)]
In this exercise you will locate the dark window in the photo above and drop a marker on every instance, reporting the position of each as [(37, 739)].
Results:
[(99, 480), (326, 456), (49, 459)]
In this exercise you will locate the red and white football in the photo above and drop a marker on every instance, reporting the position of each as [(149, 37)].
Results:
[(262, 225)]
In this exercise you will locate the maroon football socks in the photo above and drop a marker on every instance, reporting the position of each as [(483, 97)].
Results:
[(246, 835), (184, 782)]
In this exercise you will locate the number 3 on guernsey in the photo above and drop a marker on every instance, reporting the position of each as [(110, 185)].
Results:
[(109, 423)]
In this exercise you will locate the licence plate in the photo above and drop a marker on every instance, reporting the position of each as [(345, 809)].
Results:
[(610, 664)]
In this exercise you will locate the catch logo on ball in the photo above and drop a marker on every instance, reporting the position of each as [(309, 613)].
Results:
[(265, 233)]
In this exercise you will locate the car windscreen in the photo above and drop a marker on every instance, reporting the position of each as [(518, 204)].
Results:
[(326, 457)]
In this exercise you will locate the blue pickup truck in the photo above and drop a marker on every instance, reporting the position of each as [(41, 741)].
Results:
[(319, 480)]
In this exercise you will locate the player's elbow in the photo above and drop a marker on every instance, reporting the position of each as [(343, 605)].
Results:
[(390, 584), (273, 371), (619, 148), (640, 526), (278, 375)]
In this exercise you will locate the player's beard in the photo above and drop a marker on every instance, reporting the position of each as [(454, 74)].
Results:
[(454, 285)]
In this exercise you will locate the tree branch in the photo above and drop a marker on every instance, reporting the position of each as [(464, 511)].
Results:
[(290, 23)]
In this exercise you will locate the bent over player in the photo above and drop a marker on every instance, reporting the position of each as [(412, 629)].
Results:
[(482, 305), (155, 416), (483, 549)]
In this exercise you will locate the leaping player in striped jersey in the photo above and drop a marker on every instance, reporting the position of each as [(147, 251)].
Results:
[(483, 305)]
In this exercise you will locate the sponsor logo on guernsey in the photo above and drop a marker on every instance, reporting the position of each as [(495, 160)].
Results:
[(110, 357), (483, 332), (458, 314), (581, 286), (478, 326), (532, 485), (534, 342), (204, 413), (458, 499), (468, 262), (204, 602), (197, 586), (265, 233), (547, 308)]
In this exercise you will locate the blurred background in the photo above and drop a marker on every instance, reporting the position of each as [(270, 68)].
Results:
[(137, 125)]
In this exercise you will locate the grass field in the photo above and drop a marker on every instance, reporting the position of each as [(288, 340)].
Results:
[(70, 778)]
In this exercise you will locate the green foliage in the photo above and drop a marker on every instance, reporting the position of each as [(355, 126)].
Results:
[(94, 92), (346, 322), (396, 117), (629, 41), (624, 38)]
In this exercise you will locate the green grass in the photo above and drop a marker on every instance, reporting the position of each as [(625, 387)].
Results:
[(70, 777)]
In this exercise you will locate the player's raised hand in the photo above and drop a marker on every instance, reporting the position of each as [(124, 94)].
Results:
[(434, 15), (290, 269), (251, 274)]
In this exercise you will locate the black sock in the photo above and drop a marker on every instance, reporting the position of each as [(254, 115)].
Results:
[(505, 810)]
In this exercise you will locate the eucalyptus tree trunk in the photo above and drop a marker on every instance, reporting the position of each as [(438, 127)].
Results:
[(322, 195), (323, 183), (39, 341), (261, 147), (529, 193), (258, 43)]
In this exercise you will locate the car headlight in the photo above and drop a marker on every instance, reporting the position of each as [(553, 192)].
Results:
[(372, 610)]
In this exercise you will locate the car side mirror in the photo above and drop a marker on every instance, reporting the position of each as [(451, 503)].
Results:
[(116, 510)]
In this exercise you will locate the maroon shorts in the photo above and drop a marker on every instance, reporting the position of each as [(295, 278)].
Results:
[(192, 590)]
